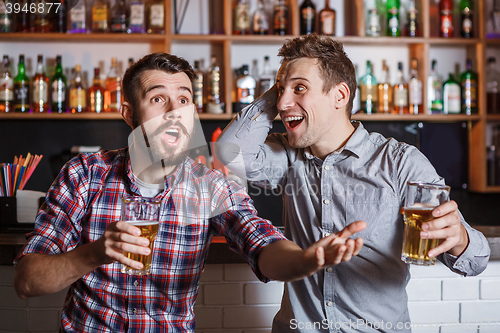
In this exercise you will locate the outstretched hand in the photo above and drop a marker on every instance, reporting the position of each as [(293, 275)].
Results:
[(333, 249)]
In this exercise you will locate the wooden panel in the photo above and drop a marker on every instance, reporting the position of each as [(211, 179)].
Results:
[(360, 18), (421, 53), (477, 156)]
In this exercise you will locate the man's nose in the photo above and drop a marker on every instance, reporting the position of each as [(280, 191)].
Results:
[(174, 114), (285, 100)]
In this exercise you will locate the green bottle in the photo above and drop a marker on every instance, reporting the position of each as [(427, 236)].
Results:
[(393, 22), (368, 91), (468, 81), (58, 88), (451, 96), (21, 88)]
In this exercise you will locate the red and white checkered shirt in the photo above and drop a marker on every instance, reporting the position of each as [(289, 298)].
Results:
[(197, 203)]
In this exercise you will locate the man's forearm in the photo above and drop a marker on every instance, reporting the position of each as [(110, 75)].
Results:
[(280, 261)]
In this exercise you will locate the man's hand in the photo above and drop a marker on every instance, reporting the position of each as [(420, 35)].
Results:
[(447, 227), (121, 236), (333, 249)]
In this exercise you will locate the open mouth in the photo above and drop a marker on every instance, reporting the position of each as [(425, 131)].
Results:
[(172, 135), (293, 121)]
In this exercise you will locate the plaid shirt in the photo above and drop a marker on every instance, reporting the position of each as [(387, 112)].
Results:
[(197, 203)]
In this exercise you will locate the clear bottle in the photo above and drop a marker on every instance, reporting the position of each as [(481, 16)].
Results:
[(6, 16), (198, 87), (267, 78), (245, 87), (100, 16), (119, 17), (242, 18), (400, 90), (492, 87), (113, 94), (451, 96), (95, 94), (468, 82), (373, 28), (280, 17), (40, 88), (385, 91), (467, 18), (260, 22), (6, 87), (214, 104), (155, 16), (77, 18), (58, 88), (77, 93), (415, 89), (412, 28), (307, 17), (368, 91), (137, 17), (434, 90), (327, 17), (21, 88)]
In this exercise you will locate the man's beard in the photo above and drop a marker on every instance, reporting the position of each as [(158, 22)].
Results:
[(169, 156)]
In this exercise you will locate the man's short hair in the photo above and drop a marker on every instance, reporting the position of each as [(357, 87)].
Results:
[(161, 61), (334, 64)]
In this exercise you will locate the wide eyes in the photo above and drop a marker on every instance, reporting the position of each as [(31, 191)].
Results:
[(299, 88), (156, 99)]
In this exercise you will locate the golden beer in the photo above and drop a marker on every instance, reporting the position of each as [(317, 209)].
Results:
[(415, 249), (149, 230)]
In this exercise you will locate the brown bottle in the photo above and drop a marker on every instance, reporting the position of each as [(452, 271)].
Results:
[(327, 18), (95, 94)]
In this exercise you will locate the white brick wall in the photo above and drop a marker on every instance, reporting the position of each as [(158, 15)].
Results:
[(232, 300)]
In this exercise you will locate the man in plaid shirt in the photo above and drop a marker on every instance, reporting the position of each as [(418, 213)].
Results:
[(78, 238)]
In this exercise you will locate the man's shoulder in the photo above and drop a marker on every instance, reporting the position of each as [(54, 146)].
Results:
[(103, 159), (381, 143)]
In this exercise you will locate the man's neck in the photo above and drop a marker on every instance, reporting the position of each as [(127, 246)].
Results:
[(156, 173), (338, 139)]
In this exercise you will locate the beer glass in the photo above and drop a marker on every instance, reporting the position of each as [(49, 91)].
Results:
[(421, 199), (144, 213)]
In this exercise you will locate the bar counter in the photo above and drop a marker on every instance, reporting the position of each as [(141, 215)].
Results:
[(219, 253)]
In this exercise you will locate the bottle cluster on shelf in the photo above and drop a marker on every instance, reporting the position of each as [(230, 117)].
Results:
[(44, 94), (453, 96), (278, 22), (87, 16)]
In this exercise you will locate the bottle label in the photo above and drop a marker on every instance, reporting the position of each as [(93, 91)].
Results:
[(280, 17), (393, 23), (77, 15), (40, 92), (100, 15), (308, 14), (368, 93), (58, 91), (400, 97), (452, 98), (137, 14), (157, 16), (446, 22), (246, 95), (242, 17), (198, 91), (77, 98), (214, 83), (6, 89), (328, 23), (470, 93), (415, 87), (467, 25)]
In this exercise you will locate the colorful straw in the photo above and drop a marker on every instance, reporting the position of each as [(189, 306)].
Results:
[(14, 176)]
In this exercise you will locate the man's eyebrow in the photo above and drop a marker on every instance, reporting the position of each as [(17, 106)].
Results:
[(159, 86), (186, 89)]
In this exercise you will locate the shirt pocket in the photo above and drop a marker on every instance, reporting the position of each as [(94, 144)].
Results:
[(378, 207)]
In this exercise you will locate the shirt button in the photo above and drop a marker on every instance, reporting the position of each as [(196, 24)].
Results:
[(327, 234), (136, 283), (329, 269), (326, 201), (134, 311), (327, 167), (329, 303)]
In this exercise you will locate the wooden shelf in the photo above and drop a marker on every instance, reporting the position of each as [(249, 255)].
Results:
[(441, 118), (92, 116), (493, 117), (83, 38)]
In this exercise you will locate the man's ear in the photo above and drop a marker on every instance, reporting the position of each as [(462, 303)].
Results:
[(127, 114), (342, 94)]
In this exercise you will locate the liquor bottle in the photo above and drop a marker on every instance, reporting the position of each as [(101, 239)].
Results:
[(393, 22), (468, 82), (6, 87), (368, 90), (113, 93), (245, 87), (130, 62), (307, 18), (280, 17), (260, 22), (6, 16), (451, 96), (412, 28), (100, 16), (267, 78), (467, 15), (214, 104), (77, 94), (400, 90), (156, 16), (446, 18), (77, 22), (119, 17), (492, 87), (373, 28), (41, 18), (95, 94), (242, 18), (415, 89), (384, 91), (434, 90), (58, 88), (40, 88), (58, 17), (21, 88), (137, 18), (327, 17), (198, 87), (23, 17)]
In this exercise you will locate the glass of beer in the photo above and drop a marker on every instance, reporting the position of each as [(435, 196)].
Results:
[(421, 199), (144, 213)]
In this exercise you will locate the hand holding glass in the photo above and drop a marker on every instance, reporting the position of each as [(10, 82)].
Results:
[(143, 213), (421, 199)]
